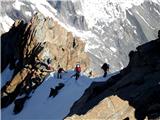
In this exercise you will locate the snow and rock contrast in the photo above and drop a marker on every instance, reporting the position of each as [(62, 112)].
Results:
[(33, 44), (111, 28), (40, 106), (39, 35), (58, 44), (131, 94)]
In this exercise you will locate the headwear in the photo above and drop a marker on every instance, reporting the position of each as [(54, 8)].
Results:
[(77, 65), (49, 60)]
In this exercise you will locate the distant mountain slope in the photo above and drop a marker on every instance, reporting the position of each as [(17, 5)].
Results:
[(110, 28)]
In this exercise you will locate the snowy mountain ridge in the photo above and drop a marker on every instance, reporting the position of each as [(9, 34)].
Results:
[(110, 28), (114, 9)]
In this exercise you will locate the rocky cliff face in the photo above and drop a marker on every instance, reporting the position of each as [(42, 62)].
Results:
[(111, 108), (131, 94), (60, 45), (70, 12), (27, 46)]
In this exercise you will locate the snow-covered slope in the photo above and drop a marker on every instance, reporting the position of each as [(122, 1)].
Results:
[(111, 28), (41, 107)]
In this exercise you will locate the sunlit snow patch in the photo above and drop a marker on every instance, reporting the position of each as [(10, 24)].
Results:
[(113, 49), (40, 106)]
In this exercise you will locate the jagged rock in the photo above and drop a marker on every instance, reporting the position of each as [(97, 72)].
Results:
[(59, 43), (111, 108), (17, 80), (138, 83), (31, 44)]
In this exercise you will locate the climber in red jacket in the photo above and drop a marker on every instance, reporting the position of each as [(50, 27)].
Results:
[(78, 71)]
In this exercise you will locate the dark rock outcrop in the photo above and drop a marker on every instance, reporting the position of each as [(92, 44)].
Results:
[(138, 83), (10, 44)]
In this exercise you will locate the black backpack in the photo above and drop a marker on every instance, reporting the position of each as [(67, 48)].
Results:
[(49, 60), (105, 66)]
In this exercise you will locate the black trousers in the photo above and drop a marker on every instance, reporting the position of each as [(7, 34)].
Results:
[(59, 75), (77, 75), (105, 74)]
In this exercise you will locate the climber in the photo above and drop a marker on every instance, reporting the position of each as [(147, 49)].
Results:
[(44, 65), (77, 70), (49, 64), (90, 74), (59, 73), (105, 68), (74, 43)]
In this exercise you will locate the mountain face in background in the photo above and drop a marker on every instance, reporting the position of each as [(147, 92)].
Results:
[(110, 28)]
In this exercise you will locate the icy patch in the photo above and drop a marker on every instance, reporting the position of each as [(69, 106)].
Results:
[(113, 49)]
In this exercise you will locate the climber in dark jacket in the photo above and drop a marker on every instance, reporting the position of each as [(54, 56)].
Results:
[(59, 73), (105, 68)]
